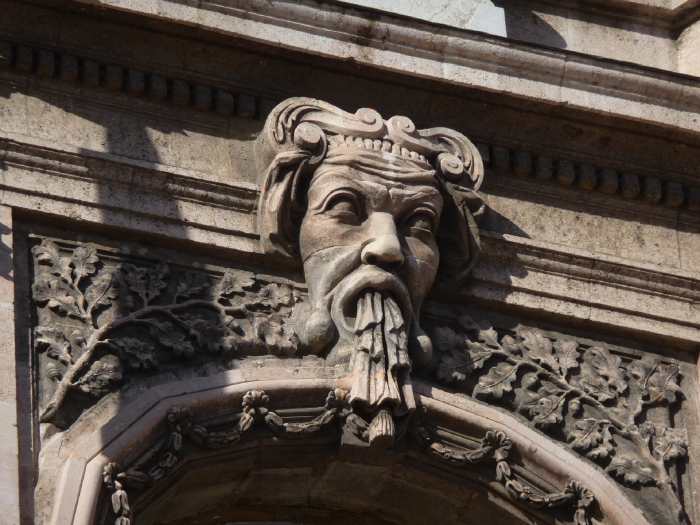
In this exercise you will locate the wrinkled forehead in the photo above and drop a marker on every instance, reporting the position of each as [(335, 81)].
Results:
[(373, 185)]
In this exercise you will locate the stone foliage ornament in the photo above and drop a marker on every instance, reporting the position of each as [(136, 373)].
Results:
[(376, 211), (368, 205), (102, 324), (583, 394)]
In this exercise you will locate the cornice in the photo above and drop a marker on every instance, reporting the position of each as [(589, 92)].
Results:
[(619, 186), (654, 300), (547, 169), (666, 13), (458, 57), (67, 68), (657, 303)]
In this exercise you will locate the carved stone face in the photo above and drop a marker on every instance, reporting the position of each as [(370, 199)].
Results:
[(364, 232), (372, 194)]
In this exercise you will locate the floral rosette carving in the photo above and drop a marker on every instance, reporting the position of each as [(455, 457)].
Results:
[(584, 395), (104, 321)]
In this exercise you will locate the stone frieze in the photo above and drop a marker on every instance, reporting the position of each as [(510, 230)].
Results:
[(376, 211)]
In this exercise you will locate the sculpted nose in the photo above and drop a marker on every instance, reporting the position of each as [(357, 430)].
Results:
[(385, 248)]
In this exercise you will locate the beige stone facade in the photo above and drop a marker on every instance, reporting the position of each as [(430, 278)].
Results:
[(349, 262)]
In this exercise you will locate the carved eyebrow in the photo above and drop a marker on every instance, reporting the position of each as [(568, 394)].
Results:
[(332, 188), (417, 198), (331, 195)]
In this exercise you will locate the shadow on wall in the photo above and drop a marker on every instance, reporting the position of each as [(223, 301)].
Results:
[(521, 23), (5, 254)]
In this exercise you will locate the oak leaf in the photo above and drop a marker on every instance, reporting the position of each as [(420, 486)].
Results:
[(658, 381), (592, 436), (497, 381), (83, 261), (567, 354), (191, 283), (539, 348), (137, 354), (632, 472), (102, 376), (671, 444)]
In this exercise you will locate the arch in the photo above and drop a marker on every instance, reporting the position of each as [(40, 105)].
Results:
[(122, 428)]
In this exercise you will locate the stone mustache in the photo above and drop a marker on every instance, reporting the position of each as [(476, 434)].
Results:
[(376, 210)]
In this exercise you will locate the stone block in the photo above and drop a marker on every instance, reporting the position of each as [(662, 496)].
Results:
[(544, 168), (674, 195), (631, 188), (246, 106), (70, 68), (180, 93), (566, 172), (157, 87), (651, 188), (46, 66), (588, 178), (694, 199), (202, 98), (522, 164), (135, 82), (501, 159), (6, 54), (223, 102), (114, 77), (25, 59), (91, 73), (609, 181)]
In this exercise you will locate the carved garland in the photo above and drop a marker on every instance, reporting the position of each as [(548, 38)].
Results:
[(496, 446), (158, 462)]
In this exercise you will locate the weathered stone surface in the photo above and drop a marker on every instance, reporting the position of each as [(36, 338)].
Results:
[(183, 367), (9, 439)]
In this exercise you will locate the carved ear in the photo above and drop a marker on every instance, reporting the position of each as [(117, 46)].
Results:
[(278, 209), (461, 170), (458, 236)]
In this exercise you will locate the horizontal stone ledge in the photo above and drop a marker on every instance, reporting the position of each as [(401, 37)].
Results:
[(458, 57), (101, 75), (647, 300), (647, 189), (154, 199)]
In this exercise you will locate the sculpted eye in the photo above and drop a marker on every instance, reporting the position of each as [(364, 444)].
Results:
[(342, 204), (422, 221)]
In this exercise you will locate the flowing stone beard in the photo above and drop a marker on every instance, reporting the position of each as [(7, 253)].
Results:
[(380, 363)]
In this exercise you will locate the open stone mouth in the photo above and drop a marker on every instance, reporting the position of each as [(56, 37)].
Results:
[(363, 283)]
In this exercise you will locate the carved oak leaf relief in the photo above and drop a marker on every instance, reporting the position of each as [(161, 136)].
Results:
[(103, 324), (593, 437), (98, 319), (586, 396)]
